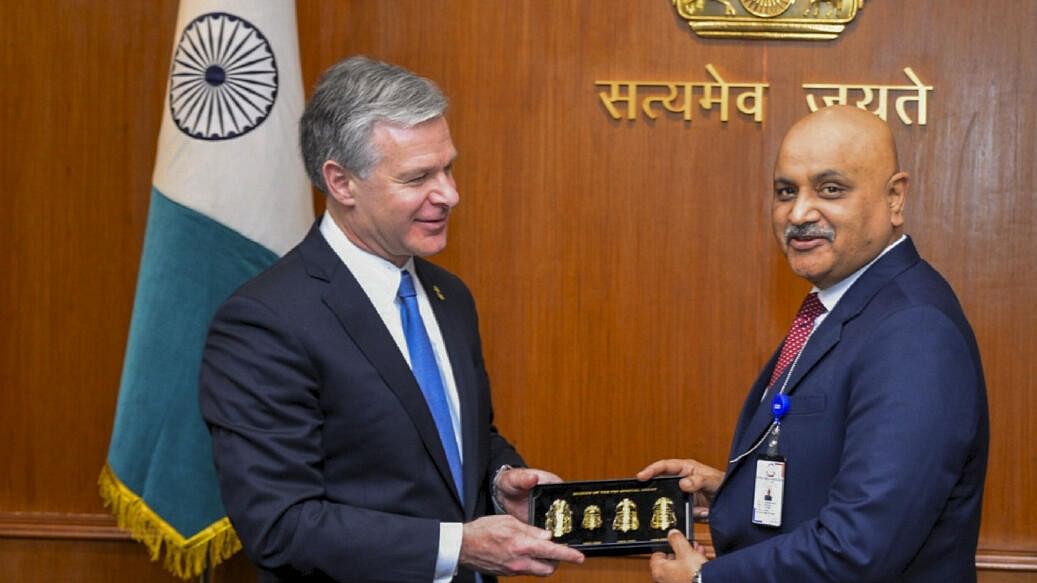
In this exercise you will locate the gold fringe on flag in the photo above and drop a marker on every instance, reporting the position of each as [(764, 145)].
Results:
[(185, 558)]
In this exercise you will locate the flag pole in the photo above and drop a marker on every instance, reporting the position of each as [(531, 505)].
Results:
[(206, 576)]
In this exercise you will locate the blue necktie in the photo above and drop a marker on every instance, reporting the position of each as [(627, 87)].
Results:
[(426, 372)]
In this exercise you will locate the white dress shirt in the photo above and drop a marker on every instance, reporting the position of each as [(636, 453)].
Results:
[(830, 296)]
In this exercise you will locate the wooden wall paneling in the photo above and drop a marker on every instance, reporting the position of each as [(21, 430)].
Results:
[(1007, 577), (596, 247), (81, 104), (39, 561)]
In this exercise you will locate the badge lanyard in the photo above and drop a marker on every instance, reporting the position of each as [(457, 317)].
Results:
[(788, 403), (769, 487)]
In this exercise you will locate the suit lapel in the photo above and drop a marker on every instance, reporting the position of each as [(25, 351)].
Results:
[(354, 311), (751, 406), (756, 416), (457, 346)]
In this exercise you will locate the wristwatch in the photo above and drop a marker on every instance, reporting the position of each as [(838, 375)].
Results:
[(697, 577), (498, 505)]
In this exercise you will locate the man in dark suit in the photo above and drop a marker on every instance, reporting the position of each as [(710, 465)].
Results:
[(344, 387), (885, 431)]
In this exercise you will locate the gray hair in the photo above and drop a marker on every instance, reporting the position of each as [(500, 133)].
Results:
[(351, 97)]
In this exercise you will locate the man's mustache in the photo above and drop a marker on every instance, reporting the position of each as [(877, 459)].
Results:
[(809, 231)]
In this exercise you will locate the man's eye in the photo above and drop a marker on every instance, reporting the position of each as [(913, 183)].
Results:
[(785, 193), (418, 179), (832, 190)]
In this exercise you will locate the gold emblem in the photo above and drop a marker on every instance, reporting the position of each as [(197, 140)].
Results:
[(769, 19), (663, 516), (591, 517), (626, 516), (438, 293), (692, 6), (559, 519), (767, 8)]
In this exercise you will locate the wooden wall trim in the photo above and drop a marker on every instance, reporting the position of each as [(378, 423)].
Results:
[(997, 560), (55, 525), (101, 527)]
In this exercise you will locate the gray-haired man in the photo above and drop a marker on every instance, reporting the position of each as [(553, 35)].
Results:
[(344, 387)]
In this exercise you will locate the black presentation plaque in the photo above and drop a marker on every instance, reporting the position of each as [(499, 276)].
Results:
[(612, 517)]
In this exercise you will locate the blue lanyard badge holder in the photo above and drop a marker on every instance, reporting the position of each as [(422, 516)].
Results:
[(769, 490)]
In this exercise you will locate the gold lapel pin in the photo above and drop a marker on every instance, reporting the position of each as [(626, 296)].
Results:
[(439, 294)]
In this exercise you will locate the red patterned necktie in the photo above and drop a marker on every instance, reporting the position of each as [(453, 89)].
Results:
[(802, 326)]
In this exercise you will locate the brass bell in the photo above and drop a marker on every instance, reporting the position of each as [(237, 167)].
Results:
[(663, 516), (559, 519), (591, 517), (626, 516)]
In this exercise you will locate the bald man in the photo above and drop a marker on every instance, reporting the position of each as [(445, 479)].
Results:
[(875, 471)]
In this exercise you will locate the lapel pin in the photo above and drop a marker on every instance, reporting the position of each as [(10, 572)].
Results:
[(439, 294)]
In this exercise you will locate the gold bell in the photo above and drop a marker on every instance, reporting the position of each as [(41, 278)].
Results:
[(626, 516), (559, 519), (592, 517), (663, 516)]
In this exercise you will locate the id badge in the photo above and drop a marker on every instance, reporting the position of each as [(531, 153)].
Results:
[(769, 493)]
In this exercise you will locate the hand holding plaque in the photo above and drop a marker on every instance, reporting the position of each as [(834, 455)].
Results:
[(697, 479), (501, 545), (512, 486)]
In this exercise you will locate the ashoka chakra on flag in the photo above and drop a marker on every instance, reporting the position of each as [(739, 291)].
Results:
[(223, 81)]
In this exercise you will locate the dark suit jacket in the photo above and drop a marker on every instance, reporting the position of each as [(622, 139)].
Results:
[(886, 443), (329, 462)]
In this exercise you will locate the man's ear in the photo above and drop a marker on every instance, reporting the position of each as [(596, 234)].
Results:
[(341, 183), (896, 193)]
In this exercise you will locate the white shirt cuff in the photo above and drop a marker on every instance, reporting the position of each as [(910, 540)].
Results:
[(450, 534)]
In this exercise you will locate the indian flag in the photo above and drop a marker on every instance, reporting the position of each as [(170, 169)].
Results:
[(229, 195)]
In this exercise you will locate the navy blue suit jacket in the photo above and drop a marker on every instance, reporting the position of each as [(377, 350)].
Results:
[(886, 443), (329, 462)]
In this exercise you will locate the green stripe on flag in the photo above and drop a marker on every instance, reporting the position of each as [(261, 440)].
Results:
[(160, 450)]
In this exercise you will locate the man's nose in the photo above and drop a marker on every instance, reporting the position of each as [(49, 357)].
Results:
[(446, 191), (804, 210)]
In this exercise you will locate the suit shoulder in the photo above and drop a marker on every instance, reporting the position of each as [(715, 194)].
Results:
[(922, 285), (917, 296), (283, 279)]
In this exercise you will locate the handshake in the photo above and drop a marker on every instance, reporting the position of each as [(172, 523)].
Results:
[(507, 544)]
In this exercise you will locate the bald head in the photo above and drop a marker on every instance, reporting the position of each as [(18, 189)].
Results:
[(838, 193), (858, 133)]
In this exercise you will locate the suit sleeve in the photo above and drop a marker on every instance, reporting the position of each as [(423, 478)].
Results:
[(259, 396), (914, 409)]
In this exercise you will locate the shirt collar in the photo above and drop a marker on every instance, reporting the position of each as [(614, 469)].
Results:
[(378, 277), (830, 296)]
